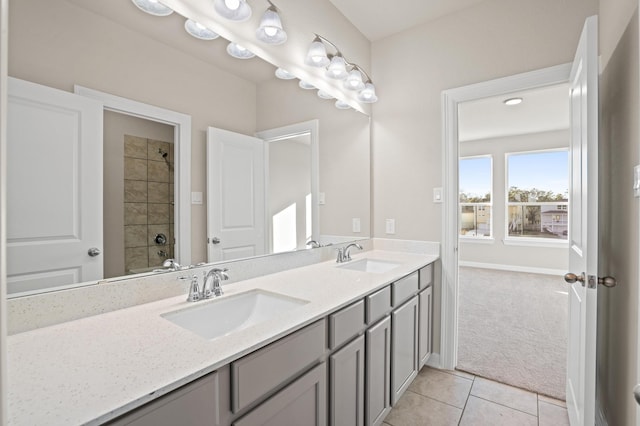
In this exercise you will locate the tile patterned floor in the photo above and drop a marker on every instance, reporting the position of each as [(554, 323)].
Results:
[(451, 398)]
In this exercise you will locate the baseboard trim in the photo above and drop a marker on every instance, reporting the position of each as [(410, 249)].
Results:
[(515, 268)]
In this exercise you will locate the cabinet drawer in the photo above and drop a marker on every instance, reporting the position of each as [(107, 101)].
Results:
[(426, 276), (404, 288), (266, 369), (345, 324), (378, 304)]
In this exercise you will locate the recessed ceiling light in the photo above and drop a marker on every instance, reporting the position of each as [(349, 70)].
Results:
[(513, 101)]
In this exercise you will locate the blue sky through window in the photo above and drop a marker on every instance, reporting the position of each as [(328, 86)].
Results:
[(475, 176), (546, 171)]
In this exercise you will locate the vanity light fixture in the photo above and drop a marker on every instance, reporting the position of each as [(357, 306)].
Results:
[(340, 104), (234, 10), (283, 74), (324, 95), (239, 52), (197, 30), (153, 7), (338, 67), (513, 101), (270, 30), (306, 86)]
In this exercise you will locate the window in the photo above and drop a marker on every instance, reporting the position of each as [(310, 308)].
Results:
[(537, 195), (475, 176)]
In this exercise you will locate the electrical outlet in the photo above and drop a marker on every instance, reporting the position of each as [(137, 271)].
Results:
[(390, 226), (355, 224)]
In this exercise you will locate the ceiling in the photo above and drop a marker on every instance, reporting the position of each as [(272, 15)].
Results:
[(542, 110), (377, 19)]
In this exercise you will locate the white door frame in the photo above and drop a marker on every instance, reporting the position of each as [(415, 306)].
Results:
[(312, 128), (182, 152), (4, 35), (449, 255)]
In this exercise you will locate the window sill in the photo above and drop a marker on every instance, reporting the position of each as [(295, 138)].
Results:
[(535, 242), (477, 240)]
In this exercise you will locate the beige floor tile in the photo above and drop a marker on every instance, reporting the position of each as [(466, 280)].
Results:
[(552, 415), (480, 412), (441, 386), (505, 395), (552, 401), (414, 409)]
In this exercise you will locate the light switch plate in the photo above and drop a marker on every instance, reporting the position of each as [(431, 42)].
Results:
[(437, 195), (196, 198), (636, 181), (321, 198), (355, 224), (390, 226)]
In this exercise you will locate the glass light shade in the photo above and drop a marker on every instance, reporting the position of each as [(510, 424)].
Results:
[(305, 85), (270, 30), (153, 7), (342, 104), (368, 94), (198, 30), (239, 52), (234, 10), (337, 69), (324, 95), (284, 74), (317, 54), (354, 81)]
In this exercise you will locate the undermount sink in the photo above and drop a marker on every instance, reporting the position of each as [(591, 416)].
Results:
[(220, 317), (370, 265)]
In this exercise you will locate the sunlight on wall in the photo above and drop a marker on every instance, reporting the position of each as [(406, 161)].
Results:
[(284, 229)]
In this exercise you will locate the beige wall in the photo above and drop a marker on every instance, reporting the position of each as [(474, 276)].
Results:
[(619, 230), (344, 151), (497, 253), (494, 39), (58, 44)]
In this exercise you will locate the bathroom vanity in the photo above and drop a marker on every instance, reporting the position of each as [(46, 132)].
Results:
[(343, 354)]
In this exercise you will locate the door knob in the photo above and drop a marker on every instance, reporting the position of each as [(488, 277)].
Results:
[(572, 278), (94, 251), (605, 281), (636, 393), (214, 240)]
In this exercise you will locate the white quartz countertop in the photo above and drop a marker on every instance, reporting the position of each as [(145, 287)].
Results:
[(94, 369)]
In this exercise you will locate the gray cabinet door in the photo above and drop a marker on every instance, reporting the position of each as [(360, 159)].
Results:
[(195, 404), (302, 403), (425, 336), (346, 394), (378, 372), (404, 347)]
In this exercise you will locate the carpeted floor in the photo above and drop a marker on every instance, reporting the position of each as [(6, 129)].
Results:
[(512, 328)]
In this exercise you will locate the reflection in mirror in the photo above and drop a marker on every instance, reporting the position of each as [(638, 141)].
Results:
[(114, 48)]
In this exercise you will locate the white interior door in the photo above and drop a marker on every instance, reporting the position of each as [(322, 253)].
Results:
[(583, 252), (235, 195), (54, 187)]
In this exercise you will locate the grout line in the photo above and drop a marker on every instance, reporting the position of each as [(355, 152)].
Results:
[(433, 399), (515, 409), (467, 401), (538, 407)]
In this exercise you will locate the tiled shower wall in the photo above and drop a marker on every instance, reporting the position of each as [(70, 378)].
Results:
[(148, 202)]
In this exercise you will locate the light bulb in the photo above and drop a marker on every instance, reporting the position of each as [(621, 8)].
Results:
[(317, 54), (354, 80), (337, 69), (270, 30), (239, 52), (232, 4), (284, 74), (234, 10), (198, 30), (368, 94)]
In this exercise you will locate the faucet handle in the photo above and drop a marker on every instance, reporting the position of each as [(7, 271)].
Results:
[(194, 288), (340, 258)]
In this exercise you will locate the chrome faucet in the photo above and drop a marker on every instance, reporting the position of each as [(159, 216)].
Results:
[(194, 288), (343, 253), (171, 264), (215, 275), (313, 244)]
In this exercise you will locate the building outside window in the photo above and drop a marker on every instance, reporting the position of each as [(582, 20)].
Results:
[(475, 183), (537, 195)]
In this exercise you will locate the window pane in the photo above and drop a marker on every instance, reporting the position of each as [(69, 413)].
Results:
[(475, 220), (475, 180)]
